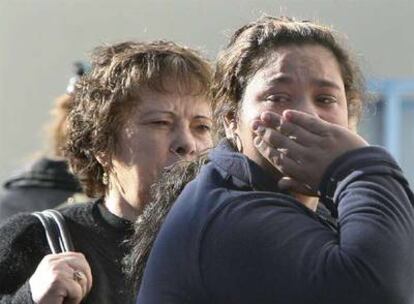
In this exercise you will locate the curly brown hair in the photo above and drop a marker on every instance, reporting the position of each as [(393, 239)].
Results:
[(105, 96), (56, 129), (250, 48)]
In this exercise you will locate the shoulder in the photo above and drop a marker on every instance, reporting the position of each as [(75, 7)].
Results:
[(20, 235), (79, 211), (22, 245), (258, 225), (86, 223), (21, 238), (19, 228), (251, 243), (257, 214)]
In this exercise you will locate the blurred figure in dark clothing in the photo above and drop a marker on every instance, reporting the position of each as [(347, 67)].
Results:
[(45, 182)]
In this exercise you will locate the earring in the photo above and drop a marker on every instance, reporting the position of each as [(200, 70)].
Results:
[(237, 142), (105, 179)]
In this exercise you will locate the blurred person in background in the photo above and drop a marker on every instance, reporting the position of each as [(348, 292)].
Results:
[(142, 107), (286, 99), (46, 182)]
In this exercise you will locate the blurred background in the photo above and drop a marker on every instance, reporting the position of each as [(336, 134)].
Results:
[(40, 39)]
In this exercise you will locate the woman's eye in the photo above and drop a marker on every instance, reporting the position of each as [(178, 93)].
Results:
[(203, 128), (277, 98), (161, 123), (325, 99)]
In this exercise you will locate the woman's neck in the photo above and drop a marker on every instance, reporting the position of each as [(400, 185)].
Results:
[(117, 205)]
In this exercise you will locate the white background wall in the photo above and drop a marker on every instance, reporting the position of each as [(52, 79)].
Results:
[(40, 38)]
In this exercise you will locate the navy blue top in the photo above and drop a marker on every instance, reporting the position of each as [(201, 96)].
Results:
[(233, 237)]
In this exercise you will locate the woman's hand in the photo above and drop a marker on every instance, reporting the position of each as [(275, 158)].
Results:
[(61, 278), (302, 146)]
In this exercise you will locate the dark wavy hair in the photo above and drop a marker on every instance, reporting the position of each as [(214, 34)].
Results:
[(105, 96), (250, 48), (164, 192)]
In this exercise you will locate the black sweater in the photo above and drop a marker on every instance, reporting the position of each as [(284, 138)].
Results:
[(96, 233)]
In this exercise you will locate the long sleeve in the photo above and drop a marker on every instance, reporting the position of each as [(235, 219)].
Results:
[(22, 246), (261, 248), (21, 296)]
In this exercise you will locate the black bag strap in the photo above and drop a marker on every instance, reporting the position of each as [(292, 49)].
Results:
[(57, 234)]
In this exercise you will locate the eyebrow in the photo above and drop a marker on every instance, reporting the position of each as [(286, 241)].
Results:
[(203, 117), (286, 79), (280, 78), (150, 112), (326, 83)]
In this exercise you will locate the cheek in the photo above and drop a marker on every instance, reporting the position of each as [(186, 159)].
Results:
[(149, 163), (249, 112), (204, 144), (338, 117), (155, 151), (143, 151)]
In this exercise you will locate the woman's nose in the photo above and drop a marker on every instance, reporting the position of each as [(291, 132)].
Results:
[(184, 143), (307, 105)]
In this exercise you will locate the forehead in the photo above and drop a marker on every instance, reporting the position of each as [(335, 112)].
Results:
[(300, 63), (175, 103)]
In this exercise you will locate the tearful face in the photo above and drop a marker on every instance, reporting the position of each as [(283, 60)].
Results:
[(305, 78)]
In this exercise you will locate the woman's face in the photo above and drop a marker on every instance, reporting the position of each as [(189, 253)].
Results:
[(305, 78), (160, 130)]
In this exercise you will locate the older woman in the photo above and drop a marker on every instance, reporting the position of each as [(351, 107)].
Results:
[(287, 97), (142, 107)]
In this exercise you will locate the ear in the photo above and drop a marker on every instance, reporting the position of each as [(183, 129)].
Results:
[(230, 124)]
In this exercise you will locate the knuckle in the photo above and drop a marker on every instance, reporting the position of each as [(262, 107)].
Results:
[(80, 255), (49, 258), (56, 281), (53, 268)]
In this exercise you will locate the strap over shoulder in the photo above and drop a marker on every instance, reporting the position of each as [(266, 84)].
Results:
[(57, 233)]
